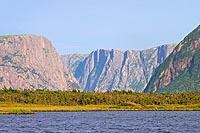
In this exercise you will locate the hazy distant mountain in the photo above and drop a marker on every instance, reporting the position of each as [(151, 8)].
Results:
[(181, 70), (72, 60), (108, 70), (30, 61)]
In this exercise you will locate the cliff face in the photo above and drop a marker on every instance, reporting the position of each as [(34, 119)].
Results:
[(72, 60), (30, 61), (181, 70), (109, 70)]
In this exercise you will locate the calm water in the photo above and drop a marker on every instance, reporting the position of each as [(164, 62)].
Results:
[(136, 121)]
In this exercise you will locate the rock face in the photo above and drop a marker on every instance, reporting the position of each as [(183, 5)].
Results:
[(109, 70), (181, 70), (30, 61), (72, 60)]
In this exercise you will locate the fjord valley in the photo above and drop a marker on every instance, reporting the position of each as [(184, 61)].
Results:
[(31, 62), (35, 78)]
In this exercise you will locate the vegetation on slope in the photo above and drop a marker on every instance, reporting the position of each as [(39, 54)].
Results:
[(180, 71)]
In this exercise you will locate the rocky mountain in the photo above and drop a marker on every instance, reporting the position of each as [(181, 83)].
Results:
[(30, 61), (72, 60), (181, 70), (109, 70)]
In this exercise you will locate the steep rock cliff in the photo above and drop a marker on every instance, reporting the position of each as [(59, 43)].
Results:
[(109, 70), (72, 60), (30, 61)]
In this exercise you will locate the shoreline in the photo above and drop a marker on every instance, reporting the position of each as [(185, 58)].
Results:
[(16, 108)]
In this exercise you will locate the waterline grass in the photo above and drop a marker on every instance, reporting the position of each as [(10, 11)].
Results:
[(16, 108), (20, 111)]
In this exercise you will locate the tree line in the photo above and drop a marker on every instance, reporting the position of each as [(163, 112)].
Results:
[(66, 98)]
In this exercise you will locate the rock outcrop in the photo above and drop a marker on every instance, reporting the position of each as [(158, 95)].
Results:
[(72, 60), (30, 62), (181, 70), (109, 70)]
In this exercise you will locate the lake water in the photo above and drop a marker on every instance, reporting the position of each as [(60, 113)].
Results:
[(129, 121)]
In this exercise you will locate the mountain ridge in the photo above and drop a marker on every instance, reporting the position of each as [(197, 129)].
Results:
[(108, 70)]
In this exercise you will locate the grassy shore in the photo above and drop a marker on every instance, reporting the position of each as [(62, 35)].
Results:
[(8, 108)]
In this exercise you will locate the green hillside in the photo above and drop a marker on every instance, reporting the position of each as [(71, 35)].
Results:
[(180, 72)]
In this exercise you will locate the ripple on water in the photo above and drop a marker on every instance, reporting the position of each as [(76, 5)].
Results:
[(136, 121)]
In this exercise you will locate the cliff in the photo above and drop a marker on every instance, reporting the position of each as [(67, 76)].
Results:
[(109, 70), (72, 60), (30, 61)]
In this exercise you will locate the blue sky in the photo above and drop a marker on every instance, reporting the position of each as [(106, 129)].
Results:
[(81, 26)]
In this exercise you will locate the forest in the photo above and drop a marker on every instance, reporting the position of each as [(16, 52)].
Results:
[(74, 98)]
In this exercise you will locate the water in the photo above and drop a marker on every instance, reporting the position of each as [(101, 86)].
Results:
[(135, 121)]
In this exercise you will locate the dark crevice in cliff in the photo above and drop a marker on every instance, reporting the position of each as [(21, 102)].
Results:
[(162, 53), (144, 67), (100, 58)]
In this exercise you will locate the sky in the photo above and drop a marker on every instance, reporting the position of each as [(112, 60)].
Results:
[(81, 26)]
